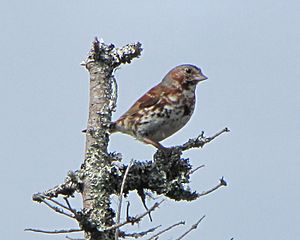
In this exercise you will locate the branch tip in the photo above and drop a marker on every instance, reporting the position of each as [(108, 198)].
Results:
[(38, 197), (223, 182), (166, 229)]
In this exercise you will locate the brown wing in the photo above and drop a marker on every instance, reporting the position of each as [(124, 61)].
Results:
[(147, 100)]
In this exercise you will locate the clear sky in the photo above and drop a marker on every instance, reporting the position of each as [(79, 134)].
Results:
[(250, 52)]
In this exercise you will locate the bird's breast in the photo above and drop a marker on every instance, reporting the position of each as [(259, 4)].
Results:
[(166, 117)]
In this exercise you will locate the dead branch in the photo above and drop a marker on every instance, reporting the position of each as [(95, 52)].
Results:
[(57, 209), (166, 229), (133, 220), (120, 199), (200, 141), (69, 206), (196, 169), (53, 231), (194, 226), (221, 183), (139, 234)]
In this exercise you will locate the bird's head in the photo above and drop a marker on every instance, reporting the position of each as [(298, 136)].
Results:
[(184, 75)]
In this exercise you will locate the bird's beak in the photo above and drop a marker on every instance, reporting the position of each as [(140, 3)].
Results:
[(200, 78)]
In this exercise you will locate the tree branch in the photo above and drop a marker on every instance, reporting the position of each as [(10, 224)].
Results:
[(56, 209), (120, 199), (71, 184), (69, 207), (200, 141), (194, 226), (136, 219), (139, 234), (196, 169), (53, 231), (67, 237), (221, 183), (101, 63), (166, 229)]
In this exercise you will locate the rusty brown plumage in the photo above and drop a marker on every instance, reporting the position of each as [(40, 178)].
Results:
[(164, 109)]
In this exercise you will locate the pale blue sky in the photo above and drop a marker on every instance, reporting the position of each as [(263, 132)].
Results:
[(250, 52)]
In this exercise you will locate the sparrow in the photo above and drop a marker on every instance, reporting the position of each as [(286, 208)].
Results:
[(164, 109)]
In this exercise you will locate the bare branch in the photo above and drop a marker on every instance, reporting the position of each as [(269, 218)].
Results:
[(127, 211), (141, 234), (67, 237), (166, 229), (194, 226), (121, 198), (53, 231), (200, 141), (41, 199), (58, 203), (69, 206), (58, 210), (72, 184), (221, 183), (136, 219), (196, 169)]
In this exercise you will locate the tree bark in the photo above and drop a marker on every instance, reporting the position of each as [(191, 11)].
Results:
[(101, 62)]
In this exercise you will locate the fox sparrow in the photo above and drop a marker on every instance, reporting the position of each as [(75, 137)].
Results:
[(164, 109)]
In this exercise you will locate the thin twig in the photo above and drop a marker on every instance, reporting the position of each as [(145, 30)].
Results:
[(148, 194), (166, 229), (194, 226), (121, 198), (136, 219), (69, 206), (221, 183), (127, 211), (141, 234), (71, 184), (217, 134), (53, 231), (197, 168), (57, 203), (58, 210), (200, 141)]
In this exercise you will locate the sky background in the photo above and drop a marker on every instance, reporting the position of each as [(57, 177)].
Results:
[(250, 52)]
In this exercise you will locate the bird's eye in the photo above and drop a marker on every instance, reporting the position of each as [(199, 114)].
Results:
[(188, 70)]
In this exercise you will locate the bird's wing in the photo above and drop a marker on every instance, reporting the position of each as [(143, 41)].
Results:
[(147, 100)]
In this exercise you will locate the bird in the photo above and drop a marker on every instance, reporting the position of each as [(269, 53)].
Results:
[(164, 109)]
